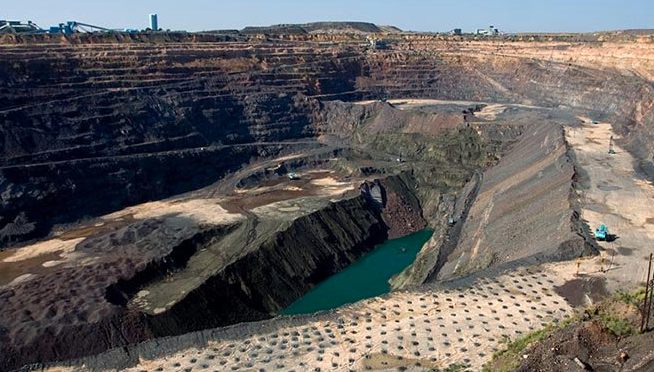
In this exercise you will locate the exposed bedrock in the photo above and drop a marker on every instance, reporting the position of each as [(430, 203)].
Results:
[(431, 256), (63, 102), (522, 210), (401, 210), (280, 270), (102, 99), (171, 275)]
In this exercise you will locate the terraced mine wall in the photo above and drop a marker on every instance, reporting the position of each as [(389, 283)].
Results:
[(108, 108), (83, 98), (64, 191)]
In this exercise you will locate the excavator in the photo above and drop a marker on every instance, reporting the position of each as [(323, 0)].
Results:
[(602, 232)]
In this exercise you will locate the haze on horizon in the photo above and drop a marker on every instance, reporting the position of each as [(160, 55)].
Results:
[(414, 15)]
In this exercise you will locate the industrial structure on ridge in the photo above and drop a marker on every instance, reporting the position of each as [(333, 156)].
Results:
[(490, 31), (69, 27)]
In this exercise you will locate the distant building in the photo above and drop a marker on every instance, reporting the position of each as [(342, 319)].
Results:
[(154, 22), (456, 31), (490, 31)]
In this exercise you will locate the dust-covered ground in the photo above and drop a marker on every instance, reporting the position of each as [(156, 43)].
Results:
[(617, 196)]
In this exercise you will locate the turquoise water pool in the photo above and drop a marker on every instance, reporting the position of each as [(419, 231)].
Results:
[(367, 277)]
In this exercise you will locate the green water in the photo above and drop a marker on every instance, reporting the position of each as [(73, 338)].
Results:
[(368, 277)]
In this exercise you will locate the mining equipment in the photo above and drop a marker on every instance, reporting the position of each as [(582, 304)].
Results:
[(375, 43), (602, 232), (72, 27), (293, 176), (18, 27)]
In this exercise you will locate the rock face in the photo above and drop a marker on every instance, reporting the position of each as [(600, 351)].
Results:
[(290, 263), (521, 210), (130, 101), (255, 285), (432, 256), (402, 210), (395, 197)]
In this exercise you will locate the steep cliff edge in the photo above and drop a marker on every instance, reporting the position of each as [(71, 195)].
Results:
[(524, 210), (187, 264), (119, 306), (277, 272), (446, 235)]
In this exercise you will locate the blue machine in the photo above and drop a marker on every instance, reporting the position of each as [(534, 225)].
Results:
[(63, 28), (72, 27), (602, 232)]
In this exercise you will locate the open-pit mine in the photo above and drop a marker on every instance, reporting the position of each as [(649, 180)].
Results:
[(168, 199)]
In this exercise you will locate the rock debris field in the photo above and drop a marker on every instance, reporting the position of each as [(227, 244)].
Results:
[(435, 328)]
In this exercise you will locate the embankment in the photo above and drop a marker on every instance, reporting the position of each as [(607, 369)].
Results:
[(522, 210)]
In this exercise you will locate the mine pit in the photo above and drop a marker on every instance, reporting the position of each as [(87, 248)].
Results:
[(235, 211)]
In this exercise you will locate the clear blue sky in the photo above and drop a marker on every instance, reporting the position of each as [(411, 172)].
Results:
[(418, 15)]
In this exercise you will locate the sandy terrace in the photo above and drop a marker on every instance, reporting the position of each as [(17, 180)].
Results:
[(281, 191), (618, 197), (207, 210), (18, 265), (408, 103)]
